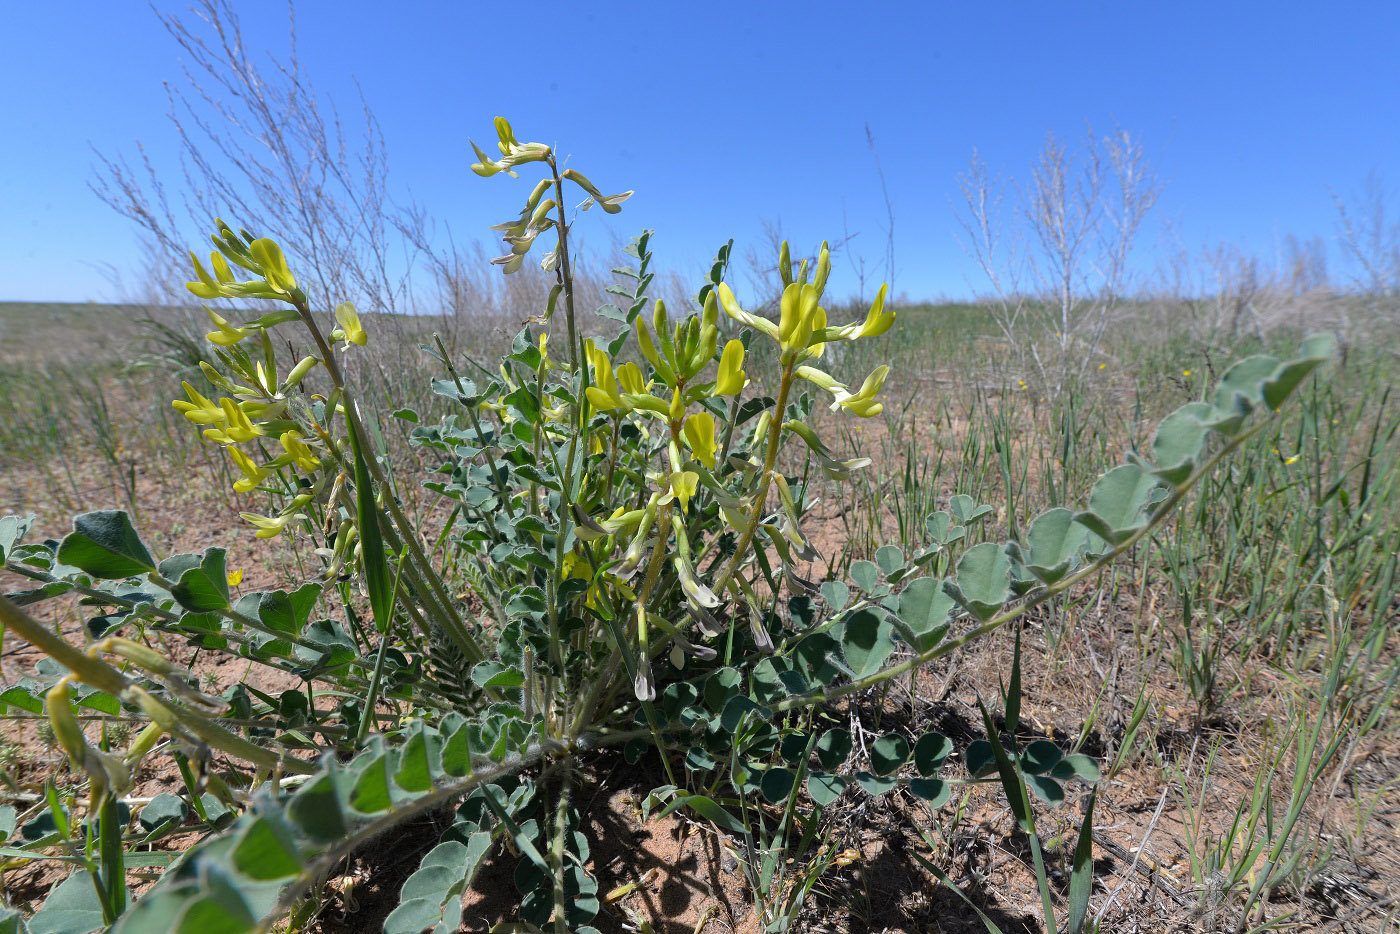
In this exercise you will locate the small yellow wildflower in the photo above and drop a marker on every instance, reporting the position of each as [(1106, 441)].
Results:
[(253, 475), (699, 434), (350, 329), (268, 526), (235, 577), (298, 452), (730, 381)]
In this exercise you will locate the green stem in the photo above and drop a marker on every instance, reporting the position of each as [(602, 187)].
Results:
[(452, 621), (98, 674), (775, 432)]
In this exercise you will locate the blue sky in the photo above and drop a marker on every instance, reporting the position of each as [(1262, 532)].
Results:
[(725, 115)]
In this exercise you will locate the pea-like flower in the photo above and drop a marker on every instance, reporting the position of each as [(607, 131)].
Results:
[(350, 330), (699, 435), (269, 526), (253, 474), (298, 452), (731, 378), (513, 152)]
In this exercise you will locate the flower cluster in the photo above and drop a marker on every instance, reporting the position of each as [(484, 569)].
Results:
[(535, 218), (285, 451)]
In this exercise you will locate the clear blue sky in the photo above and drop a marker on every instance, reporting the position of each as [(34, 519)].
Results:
[(728, 113)]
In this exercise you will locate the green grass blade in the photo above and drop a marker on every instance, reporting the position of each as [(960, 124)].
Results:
[(1081, 877), (381, 596)]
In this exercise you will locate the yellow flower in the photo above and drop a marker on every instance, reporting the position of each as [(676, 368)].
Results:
[(253, 475), (731, 378), (238, 427), (683, 485), (235, 577), (350, 329), (1290, 461), (268, 526), (200, 410), (863, 402), (699, 434), (877, 320), (1103, 366), (227, 335), (629, 377), (603, 394), (298, 452), (1185, 372), (731, 308)]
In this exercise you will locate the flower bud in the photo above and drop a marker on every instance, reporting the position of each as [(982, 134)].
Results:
[(66, 730), (823, 268)]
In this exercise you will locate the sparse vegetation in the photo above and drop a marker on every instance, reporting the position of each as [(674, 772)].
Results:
[(609, 602)]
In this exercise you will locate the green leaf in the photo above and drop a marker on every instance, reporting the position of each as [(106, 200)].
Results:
[(376, 566), (71, 908), (288, 612), (865, 575), (204, 588), (933, 790), (1081, 876), (11, 921), (734, 711), (1077, 766), (930, 751), (105, 545), (1045, 788), (496, 675), (1314, 351), (26, 700), (888, 753), (834, 747), (979, 759), (1053, 544), (1179, 441), (720, 687), (430, 899), (1119, 502), (836, 594), (370, 793), (984, 579), (867, 639), (874, 784), (164, 808), (316, 811), (1241, 388), (965, 509), (942, 529), (824, 788), (12, 530), (890, 559), (777, 784), (415, 772), (925, 606), (1040, 757), (265, 851)]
